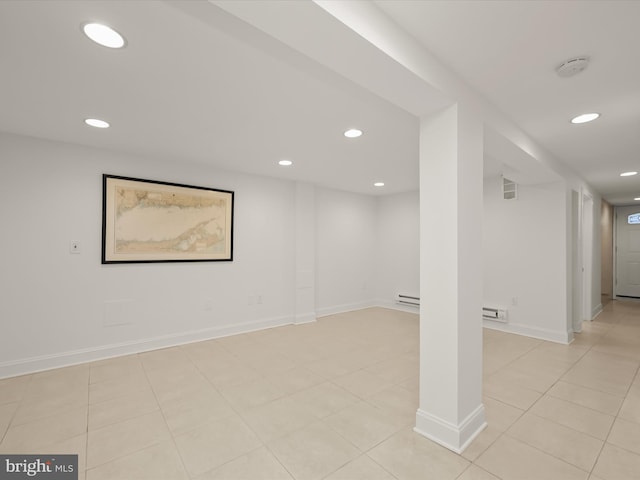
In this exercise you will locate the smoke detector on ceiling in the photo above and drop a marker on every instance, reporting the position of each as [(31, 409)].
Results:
[(572, 67)]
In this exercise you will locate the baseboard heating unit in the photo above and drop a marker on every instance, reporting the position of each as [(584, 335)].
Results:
[(408, 300), (495, 314)]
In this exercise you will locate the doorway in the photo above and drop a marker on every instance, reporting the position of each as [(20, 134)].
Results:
[(627, 252)]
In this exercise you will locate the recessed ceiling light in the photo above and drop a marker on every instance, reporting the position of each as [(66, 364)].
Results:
[(585, 117), (95, 122), (637, 198), (628, 174), (285, 163), (378, 184), (103, 35), (353, 133)]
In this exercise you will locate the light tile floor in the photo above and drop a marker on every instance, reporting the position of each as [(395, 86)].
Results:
[(336, 400)]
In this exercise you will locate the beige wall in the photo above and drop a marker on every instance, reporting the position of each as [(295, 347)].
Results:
[(606, 221)]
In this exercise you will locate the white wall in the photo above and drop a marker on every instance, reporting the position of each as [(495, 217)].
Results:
[(54, 304), (398, 247), (524, 244), (346, 232)]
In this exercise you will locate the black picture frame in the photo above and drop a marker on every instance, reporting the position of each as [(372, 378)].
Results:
[(149, 221)]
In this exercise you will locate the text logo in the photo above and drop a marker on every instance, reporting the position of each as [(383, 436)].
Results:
[(40, 467)]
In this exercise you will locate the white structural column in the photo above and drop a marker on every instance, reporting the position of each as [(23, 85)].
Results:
[(305, 253), (451, 162)]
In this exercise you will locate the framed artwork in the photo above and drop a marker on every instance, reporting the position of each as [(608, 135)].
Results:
[(147, 221)]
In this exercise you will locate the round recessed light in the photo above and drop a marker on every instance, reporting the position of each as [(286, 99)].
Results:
[(285, 163), (628, 174), (378, 184), (353, 133), (585, 117), (96, 122), (103, 35), (637, 198)]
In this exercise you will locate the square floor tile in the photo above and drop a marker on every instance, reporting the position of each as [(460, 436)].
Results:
[(122, 408), (259, 464), (562, 442), (500, 415), (110, 389), (7, 411), (278, 418), (574, 416), (365, 425), (630, 409), (13, 389), (324, 399), (251, 394), (44, 432), (362, 468), (158, 462), (481, 443), (330, 367), (616, 463), (295, 380), (397, 400), (313, 452), (117, 368), (602, 371), (587, 397), (410, 456), (510, 393), (361, 383), (625, 434), (396, 370), (229, 373), (123, 438), (190, 411), (215, 443), (533, 378), (476, 473), (36, 408), (509, 458)]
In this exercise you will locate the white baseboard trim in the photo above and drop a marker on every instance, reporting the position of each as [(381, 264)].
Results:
[(41, 363), (349, 307), (454, 437), (541, 333), (596, 311), (65, 359), (392, 305), (302, 318)]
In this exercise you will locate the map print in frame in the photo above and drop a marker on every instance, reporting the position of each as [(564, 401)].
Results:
[(149, 221)]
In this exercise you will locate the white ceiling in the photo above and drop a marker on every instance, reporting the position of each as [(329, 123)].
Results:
[(196, 84), (508, 52)]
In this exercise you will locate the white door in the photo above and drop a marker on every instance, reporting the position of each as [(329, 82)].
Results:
[(628, 251)]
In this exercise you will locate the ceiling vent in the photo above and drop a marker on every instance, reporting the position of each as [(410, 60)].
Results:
[(509, 189), (572, 67)]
